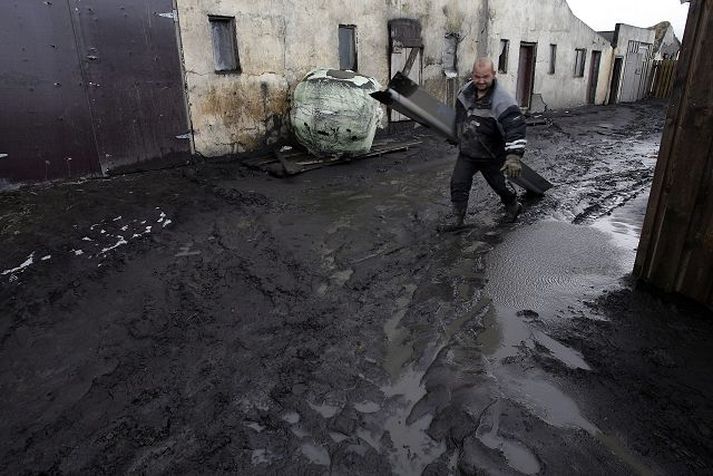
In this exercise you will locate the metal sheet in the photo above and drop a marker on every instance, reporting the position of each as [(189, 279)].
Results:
[(406, 97), (129, 51), (45, 125)]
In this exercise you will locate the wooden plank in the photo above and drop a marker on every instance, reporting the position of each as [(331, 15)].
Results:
[(676, 249), (659, 189)]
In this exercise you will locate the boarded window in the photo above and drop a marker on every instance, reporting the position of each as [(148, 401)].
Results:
[(503, 58), (553, 59), (347, 47), (579, 62), (225, 45)]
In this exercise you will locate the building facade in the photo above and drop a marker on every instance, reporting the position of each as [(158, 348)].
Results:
[(159, 80)]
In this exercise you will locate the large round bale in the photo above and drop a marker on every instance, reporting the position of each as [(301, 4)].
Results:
[(333, 114)]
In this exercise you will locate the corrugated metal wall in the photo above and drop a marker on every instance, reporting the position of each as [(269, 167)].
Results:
[(88, 86), (676, 249)]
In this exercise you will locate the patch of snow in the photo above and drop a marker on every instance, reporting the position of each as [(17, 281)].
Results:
[(166, 223), (45, 258), (86, 238), (78, 252), (30, 259), (117, 218), (121, 241)]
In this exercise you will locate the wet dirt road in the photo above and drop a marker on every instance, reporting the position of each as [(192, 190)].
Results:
[(213, 319)]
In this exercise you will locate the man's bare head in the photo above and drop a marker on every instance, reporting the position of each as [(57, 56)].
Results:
[(483, 74)]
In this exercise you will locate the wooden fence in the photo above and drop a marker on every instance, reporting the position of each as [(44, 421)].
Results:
[(662, 77), (676, 249)]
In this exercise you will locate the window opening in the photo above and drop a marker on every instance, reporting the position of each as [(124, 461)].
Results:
[(347, 47), (225, 45), (503, 58)]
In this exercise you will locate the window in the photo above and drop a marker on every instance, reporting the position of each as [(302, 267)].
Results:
[(553, 58), (579, 62), (347, 47), (225, 45), (503, 59)]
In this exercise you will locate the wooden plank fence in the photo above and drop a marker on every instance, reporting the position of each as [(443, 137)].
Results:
[(676, 249), (663, 74)]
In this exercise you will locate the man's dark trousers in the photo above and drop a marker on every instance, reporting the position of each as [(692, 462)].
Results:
[(462, 179)]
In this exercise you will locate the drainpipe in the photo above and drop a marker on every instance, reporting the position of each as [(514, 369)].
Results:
[(484, 29)]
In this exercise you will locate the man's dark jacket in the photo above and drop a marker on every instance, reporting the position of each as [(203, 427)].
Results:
[(490, 127)]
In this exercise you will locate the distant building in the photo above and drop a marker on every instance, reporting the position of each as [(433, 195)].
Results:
[(666, 45)]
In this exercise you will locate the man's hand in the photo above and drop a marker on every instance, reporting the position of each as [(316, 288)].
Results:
[(512, 167)]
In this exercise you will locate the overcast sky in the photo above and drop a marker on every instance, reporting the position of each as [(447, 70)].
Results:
[(603, 15)]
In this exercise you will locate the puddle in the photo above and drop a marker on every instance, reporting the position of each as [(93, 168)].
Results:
[(547, 267), (517, 455), (398, 351), (624, 227)]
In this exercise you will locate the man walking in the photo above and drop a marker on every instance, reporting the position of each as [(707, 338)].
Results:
[(491, 139)]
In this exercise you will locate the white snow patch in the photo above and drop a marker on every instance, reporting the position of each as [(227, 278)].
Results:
[(45, 258), (78, 252), (86, 238), (125, 227), (161, 217), (148, 229), (167, 222), (121, 241), (30, 259), (117, 218)]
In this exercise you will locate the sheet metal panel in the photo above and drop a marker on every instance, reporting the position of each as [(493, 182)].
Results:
[(45, 123), (129, 51)]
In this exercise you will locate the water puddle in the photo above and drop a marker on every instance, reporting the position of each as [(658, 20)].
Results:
[(398, 350), (536, 272), (517, 455)]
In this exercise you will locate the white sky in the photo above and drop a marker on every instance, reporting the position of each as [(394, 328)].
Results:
[(603, 15)]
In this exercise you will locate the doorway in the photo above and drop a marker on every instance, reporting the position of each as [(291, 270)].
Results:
[(616, 80), (405, 55), (594, 77), (526, 74)]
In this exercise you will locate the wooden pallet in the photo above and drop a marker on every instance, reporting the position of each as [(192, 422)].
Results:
[(293, 162)]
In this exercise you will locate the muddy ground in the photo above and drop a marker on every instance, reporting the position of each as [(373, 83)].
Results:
[(212, 318)]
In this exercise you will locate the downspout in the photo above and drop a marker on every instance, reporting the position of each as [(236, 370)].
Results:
[(484, 29)]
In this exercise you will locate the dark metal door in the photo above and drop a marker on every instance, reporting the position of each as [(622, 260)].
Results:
[(129, 52), (525, 74), (594, 77), (45, 125)]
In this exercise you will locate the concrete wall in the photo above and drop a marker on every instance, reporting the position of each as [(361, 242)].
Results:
[(279, 41), (548, 22)]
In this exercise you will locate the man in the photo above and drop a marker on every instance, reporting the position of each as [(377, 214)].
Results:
[(491, 139)]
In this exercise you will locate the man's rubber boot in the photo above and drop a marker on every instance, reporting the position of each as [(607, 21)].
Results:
[(512, 211), (455, 219)]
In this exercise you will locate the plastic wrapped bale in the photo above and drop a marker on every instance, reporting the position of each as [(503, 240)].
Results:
[(333, 114)]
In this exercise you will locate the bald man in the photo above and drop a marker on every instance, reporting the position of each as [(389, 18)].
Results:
[(491, 140)]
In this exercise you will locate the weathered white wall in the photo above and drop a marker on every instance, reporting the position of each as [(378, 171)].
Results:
[(548, 22), (279, 41), (636, 66), (626, 33)]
